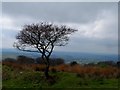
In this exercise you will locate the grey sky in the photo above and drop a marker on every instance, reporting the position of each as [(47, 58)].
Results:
[(61, 12), (97, 23)]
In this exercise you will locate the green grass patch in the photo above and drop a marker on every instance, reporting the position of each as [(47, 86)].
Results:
[(35, 79)]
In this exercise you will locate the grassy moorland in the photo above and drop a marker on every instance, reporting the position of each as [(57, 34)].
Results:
[(16, 75)]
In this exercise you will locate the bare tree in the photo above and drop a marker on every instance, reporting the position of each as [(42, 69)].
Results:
[(42, 38)]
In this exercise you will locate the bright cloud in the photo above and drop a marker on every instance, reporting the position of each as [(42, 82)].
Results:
[(7, 23), (15, 23), (104, 27), (99, 28)]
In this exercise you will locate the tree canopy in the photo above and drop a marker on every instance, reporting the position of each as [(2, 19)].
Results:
[(42, 38)]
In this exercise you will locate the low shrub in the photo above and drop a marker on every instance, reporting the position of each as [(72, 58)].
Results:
[(73, 63), (52, 61), (53, 70), (11, 60), (25, 60)]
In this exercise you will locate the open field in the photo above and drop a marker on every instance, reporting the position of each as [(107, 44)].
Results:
[(61, 76)]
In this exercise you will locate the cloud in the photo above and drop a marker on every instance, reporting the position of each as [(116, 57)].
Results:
[(101, 35), (96, 23), (14, 23), (97, 34), (7, 23), (79, 12), (104, 27), (7, 42)]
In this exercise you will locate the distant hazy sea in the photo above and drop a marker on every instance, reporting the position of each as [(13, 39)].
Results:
[(67, 56)]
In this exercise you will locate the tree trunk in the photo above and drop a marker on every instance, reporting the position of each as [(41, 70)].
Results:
[(47, 68), (46, 71)]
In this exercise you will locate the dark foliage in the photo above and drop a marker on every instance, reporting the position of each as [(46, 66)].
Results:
[(73, 63), (25, 60), (52, 80), (9, 60), (110, 63), (118, 64), (52, 61), (53, 70), (90, 64), (56, 61)]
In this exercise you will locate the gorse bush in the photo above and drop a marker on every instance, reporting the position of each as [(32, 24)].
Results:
[(106, 63), (25, 60), (118, 64), (73, 63), (52, 61), (20, 60), (9, 60)]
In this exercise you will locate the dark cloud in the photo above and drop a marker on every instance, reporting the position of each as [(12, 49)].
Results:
[(61, 12)]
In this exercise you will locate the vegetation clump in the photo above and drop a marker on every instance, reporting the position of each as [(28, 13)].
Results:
[(31, 75)]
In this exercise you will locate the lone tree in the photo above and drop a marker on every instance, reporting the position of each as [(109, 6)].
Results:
[(42, 38)]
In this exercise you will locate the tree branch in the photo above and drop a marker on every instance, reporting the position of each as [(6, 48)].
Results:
[(50, 51), (27, 50)]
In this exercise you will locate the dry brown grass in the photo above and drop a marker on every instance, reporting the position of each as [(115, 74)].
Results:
[(107, 72)]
